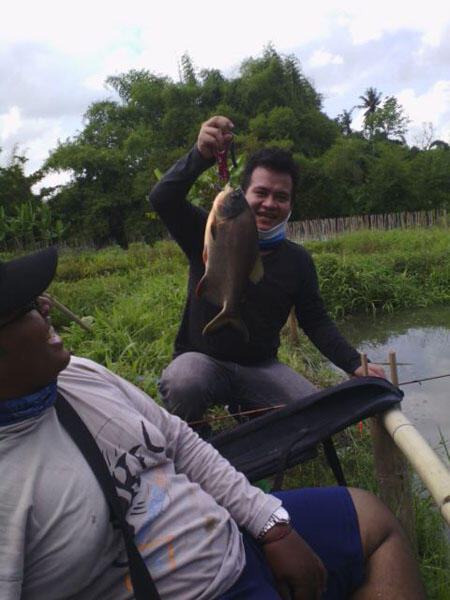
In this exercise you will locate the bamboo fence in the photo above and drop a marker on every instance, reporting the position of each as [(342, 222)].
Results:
[(324, 229)]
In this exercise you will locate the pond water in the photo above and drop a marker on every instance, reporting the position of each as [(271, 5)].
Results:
[(422, 339)]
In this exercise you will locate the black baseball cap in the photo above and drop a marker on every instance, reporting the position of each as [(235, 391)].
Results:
[(23, 279)]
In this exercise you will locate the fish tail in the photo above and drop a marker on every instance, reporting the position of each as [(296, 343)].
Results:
[(223, 319)]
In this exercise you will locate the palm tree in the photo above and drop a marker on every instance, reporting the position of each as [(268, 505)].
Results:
[(371, 101)]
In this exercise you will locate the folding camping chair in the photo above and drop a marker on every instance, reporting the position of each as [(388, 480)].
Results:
[(288, 436)]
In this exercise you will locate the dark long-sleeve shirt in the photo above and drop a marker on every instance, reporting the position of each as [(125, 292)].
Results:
[(290, 279)]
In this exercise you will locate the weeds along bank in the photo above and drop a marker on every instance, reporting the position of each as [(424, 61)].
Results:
[(384, 271), (134, 299)]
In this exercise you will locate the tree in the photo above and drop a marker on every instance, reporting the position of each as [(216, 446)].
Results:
[(389, 121), (371, 102), (15, 186), (344, 121), (426, 136), (150, 121), (430, 176), (389, 184), (440, 144), (188, 75)]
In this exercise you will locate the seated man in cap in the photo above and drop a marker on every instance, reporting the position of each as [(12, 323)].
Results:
[(203, 531)]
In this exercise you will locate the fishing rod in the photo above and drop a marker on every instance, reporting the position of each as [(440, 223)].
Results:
[(255, 411), (424, 379), (243, 413)]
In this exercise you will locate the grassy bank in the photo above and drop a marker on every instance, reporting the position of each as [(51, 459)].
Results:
[(134, 299), (387, 271), (136, 296)]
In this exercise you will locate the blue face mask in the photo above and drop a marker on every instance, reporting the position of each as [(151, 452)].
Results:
[(272, 237), (13, 410)]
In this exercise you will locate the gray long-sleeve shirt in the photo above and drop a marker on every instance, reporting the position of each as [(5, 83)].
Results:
[(183, 500)]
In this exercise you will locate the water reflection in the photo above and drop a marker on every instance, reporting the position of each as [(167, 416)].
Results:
[(422, 338)]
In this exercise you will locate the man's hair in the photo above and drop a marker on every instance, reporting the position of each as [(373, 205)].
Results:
[(275, 159)]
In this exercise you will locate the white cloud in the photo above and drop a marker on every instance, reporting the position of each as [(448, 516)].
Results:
[(445, 132), (431, 106), (10, 123), (358, 120), (53, 63), (32, 137), (52, 180), (430, 19), (337, 91), (43, 135), (321, 58), (434, 103)]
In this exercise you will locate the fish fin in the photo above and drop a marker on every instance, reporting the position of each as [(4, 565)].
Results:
[(205, 290), (200, 288), (258, 270), (223, 319), (210, 223)]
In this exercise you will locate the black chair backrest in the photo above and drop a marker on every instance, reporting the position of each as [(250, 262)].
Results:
[(287, 436)]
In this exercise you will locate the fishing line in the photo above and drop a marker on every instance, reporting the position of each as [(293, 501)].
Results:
[(424, 379), (277, 406)]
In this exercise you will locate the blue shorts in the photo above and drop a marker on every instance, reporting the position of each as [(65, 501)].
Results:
[(326, 519)]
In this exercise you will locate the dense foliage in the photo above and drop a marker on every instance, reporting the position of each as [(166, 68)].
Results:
[(150, 121), (25, 221)]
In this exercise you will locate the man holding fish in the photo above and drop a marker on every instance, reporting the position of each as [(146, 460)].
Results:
[(244, 278)]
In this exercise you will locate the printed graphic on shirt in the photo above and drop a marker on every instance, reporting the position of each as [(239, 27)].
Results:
[(142, 488)]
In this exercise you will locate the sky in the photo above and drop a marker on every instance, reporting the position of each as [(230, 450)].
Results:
[(55, 57)]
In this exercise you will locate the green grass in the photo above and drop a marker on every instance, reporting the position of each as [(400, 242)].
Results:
[(135, 300), (387, 271)]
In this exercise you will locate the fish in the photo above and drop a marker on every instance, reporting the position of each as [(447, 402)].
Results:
[(231, 257)]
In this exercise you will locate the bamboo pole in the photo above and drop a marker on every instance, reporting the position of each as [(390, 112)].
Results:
[(391, 468), (66, 311), (393, 368), (292, 327), (423, 459)]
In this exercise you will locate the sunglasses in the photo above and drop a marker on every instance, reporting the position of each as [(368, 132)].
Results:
[(33, 305)]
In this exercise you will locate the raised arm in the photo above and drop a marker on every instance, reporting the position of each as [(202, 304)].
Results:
[(184, 221)]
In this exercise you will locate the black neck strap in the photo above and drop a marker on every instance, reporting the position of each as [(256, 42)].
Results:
[(143, 586)]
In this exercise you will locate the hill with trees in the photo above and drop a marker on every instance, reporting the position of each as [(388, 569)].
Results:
[(150, 121)]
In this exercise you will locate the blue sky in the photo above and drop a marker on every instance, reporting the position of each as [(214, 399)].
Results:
[(54, 57)]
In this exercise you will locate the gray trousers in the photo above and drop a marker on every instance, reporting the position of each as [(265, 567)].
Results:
[(194, 382)]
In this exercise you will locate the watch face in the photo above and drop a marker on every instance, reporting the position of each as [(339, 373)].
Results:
[(281, 515)]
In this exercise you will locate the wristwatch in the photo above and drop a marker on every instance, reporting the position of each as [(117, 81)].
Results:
[(279, 517)]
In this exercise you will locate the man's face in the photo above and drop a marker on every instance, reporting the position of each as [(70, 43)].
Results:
[(269, 196), (31, 352)]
